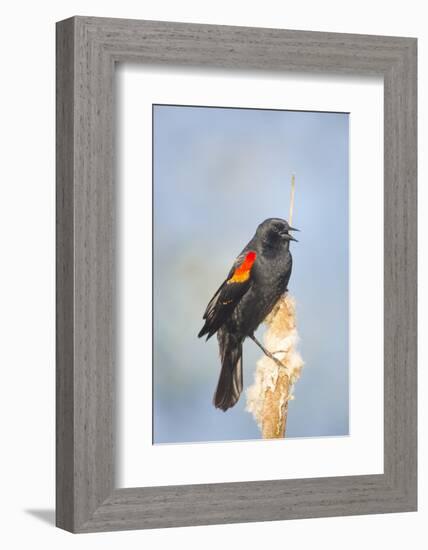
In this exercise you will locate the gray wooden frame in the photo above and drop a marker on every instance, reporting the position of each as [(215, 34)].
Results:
[(87, 50)]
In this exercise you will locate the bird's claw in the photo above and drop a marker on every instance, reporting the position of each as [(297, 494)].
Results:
[(277, 361)]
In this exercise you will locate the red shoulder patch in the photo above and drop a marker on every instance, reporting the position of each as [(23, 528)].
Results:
[(242, 272)]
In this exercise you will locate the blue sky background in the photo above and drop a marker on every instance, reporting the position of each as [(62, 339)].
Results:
[(218, 173)]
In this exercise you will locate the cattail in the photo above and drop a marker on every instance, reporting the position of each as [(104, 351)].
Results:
[(268, 397)]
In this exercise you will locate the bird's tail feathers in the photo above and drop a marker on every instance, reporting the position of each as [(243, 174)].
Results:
[(230, 382)]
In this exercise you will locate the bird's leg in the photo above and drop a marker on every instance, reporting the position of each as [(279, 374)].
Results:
[(267, 352)]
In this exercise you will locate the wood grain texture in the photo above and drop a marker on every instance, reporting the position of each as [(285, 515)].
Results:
[(64, 277), (87, 49)]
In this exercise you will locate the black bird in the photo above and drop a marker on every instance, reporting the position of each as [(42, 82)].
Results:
[(258, 278)]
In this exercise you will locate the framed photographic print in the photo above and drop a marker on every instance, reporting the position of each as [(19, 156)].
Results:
[(236, 274)]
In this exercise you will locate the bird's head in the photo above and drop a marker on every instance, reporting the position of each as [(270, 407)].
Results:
[(275, 232)]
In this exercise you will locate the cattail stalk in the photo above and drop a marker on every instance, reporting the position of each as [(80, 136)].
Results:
[(268, 397), (292, 191)]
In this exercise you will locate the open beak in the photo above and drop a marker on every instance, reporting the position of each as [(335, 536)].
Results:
[(290, 237), (286, 235)]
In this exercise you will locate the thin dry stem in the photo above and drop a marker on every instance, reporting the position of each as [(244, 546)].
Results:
[(292, 191)]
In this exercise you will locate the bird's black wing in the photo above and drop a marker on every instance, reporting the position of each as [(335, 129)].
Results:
[(229, 294)]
